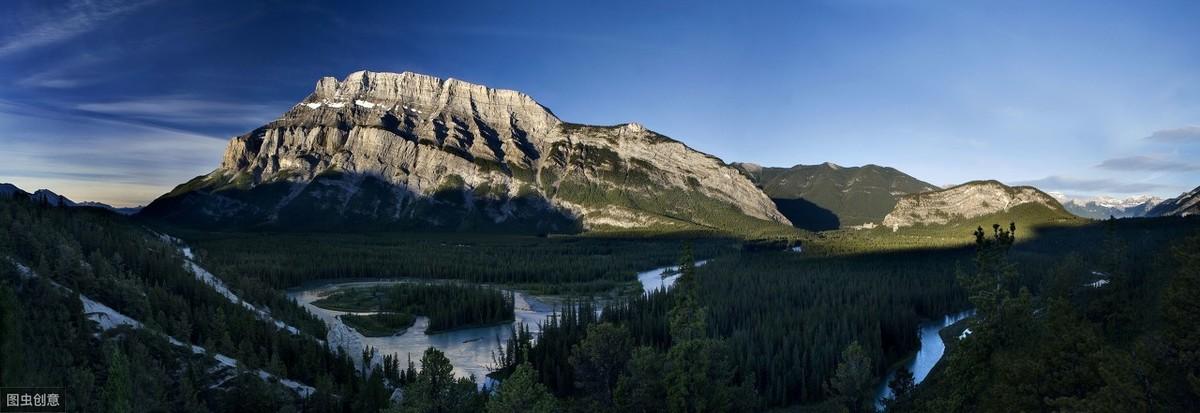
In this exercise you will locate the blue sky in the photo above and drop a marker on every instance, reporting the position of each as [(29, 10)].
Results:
[(118, 100)]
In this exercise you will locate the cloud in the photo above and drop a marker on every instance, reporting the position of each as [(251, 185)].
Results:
[(1186, 134), (188, 111), (118, 162), (78, 18), (1146, 163), (1066, 184)]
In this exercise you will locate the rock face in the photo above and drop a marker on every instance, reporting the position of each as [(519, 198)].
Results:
[(1185, 204), (969, 200), (829, 196), (409, 150)]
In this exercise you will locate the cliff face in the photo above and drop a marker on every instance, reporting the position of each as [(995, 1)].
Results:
[(409, 150), (969, 200)]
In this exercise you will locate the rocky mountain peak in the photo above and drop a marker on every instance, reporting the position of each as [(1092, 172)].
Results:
[(434, 152)]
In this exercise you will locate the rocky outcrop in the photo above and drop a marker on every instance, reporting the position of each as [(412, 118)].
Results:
[(413, 150), (969, 200), (1186, 204)]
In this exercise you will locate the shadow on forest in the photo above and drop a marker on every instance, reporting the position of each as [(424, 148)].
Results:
[(807, 215), (346, 202)]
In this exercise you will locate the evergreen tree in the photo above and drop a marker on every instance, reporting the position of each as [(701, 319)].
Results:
[(11, 355), (118, 393), (599, 360), (852, 380), (701, 375), (687, 316), (1181, 312), (642, 387), (902, 386), (435, 389), (521, 393)]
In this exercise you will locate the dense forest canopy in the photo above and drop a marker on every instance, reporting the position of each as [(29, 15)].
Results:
[(753, 329)]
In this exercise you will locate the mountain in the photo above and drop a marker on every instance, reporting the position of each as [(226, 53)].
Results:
[(119, 210), (1105, 207), (1185, 204), (50, 198), (977, 199), (10, 191), (828, 196), (404, 150)]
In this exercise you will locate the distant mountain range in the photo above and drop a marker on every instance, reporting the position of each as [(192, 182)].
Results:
[(48, 197), (409, 151), (829, 196), (1105, 207)]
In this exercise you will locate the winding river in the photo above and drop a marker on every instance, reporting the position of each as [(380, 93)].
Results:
[(931, 351), (470, 350)]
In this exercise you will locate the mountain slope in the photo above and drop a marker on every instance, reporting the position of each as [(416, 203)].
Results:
[(1185, 204), (387, 150), (963, 203), (828, 196)]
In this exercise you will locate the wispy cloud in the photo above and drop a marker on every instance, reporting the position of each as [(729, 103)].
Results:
[(118, 162), (77, 18), (1186, 134), (188, 111), (1067, 184), (1146, 163)]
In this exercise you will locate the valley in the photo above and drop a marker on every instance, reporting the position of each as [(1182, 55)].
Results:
[(397, 242)]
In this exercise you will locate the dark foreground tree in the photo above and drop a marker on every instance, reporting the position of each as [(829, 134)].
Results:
[(851, 382), (521, 393), (701, 376), (641, 388), (902, 385), (599, 360), (436, 390)]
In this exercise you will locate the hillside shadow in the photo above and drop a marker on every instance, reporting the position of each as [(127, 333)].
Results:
[(346, 202), (807, 215)]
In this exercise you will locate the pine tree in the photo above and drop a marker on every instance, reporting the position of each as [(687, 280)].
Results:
[(435, 389), (641, 388), (11, 354), (1181, 312), (521, 392), (118, 391), (851, 382), (599, 360), (902, 386)]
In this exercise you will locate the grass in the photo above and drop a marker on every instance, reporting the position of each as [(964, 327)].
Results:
[(379, 325)]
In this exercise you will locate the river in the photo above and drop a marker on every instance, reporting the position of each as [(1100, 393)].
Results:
[(470, 350), (931, 351)]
